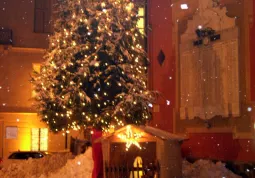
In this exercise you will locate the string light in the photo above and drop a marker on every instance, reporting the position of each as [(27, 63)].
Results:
[(66, 44), (130, 138), (97, 64)]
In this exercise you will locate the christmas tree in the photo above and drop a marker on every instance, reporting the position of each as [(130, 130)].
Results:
[(94, 72)]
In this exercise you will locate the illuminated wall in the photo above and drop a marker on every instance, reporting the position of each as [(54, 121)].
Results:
[(20, 139), (31, 134)]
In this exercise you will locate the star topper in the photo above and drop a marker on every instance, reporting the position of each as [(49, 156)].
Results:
[(131, 138)]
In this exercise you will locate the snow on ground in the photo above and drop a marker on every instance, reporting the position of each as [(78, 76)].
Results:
[(33, 168), (206, 169), (53, 166), (61, 166), (80, 167)]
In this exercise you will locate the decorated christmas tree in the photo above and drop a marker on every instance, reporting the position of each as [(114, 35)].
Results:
[(94, 72)]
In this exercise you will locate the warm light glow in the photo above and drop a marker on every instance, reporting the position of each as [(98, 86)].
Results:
[(39, 139), (37, 67), (141, 21), (129, 6), (130, 138), (35, 139), (43, 139), (103, 4), (97, 64)]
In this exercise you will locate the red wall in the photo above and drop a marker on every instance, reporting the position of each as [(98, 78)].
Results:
[(219, 146), (223, 146), (160, 38), (252, 55), (19, 17)]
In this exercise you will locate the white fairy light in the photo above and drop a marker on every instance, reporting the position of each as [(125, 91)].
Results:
[(184, 6)]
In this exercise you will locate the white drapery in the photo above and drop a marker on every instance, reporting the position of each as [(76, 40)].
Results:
[(209, 79)]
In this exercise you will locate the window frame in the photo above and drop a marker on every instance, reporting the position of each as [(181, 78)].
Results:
[(11, 132), (144, 4), (45, 10), (39, 139)]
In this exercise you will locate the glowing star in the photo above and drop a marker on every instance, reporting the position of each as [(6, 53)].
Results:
[(131, 138)]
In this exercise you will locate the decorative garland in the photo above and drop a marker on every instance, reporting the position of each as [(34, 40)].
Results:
[(205, 36), (201, 33)]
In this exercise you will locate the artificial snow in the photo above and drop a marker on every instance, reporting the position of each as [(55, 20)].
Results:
[(206, 169), (62, 166), (80, 167), (34, 168)]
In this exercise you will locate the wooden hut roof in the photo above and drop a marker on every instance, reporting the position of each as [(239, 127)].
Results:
[(153, 132)]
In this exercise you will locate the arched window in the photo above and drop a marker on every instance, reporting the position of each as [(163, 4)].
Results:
[(138, 163)]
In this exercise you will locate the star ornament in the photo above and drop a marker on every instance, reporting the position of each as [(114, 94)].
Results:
[(131, 138)]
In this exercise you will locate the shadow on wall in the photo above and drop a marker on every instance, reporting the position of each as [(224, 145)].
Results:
[(79, 146)]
